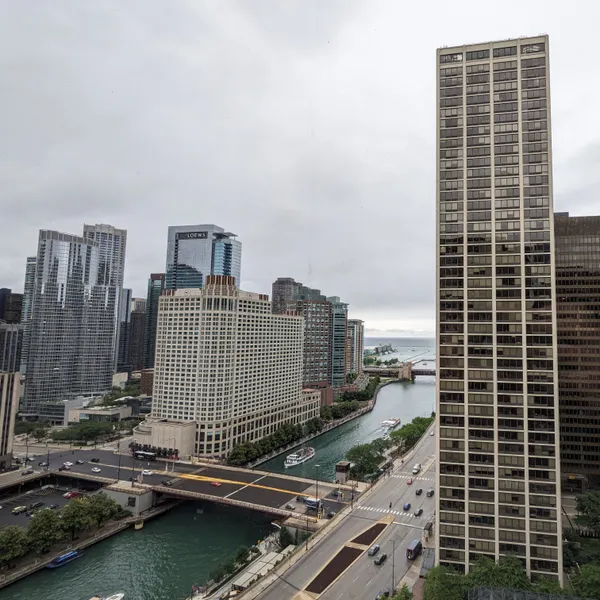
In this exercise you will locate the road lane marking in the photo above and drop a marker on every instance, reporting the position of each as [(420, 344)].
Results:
[(243, 483), (243, 488)]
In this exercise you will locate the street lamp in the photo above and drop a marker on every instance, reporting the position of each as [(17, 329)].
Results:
[(317, 482), (173, 460), (133, 463)]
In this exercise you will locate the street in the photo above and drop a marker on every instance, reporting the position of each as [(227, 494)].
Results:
[(365, 579)]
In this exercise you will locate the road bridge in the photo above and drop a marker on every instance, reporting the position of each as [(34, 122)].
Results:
[(235, 486)]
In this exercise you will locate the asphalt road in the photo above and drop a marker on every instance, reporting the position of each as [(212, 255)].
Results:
[(365, 579), (123, 466)]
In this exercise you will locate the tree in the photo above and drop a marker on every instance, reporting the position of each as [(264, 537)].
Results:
[(22, 427), (76, 516), (586, 582), (404, 593), (443, 583), (549, 586), (366, 459), (101, 508), (13, 543), (242, 554), (588, 507), (44, 530), (285, 538)]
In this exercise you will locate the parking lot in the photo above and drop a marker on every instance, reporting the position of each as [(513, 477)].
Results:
[(49, 495)]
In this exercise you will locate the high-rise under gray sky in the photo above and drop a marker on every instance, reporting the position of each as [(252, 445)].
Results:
[(306, 127)]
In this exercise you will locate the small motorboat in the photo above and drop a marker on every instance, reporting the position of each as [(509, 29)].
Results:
[(117, 596)]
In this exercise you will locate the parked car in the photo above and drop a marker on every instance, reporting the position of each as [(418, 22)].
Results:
[(419, 491), (407, 506), (215, 484), (430, 492), (147, 472), (418, 512), (72, 494), (96, 470), (17, 510), (52, 506), (373, 550), (380, 559), (35, 505), (95, 460)]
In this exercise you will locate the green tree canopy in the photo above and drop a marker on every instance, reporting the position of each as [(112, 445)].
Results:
[(443, 583), (588, 507), (44, 530), (366, 459), (13, 543), (76, 516), (586, 582), (404, 593), (102, 508)]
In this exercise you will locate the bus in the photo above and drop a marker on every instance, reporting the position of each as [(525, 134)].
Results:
[(414, 549), (140, 455), (312, 503)]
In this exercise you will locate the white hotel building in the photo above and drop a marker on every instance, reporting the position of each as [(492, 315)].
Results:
[(227, 370)]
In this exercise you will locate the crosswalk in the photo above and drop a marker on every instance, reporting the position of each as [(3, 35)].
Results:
[(389, 511), (417, 478)]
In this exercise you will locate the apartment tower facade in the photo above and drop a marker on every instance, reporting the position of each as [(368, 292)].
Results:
[(497, 442), (578, 332), (156, 287), (227, 370)]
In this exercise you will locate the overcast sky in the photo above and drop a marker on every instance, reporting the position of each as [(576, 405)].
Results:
[(304, 126)]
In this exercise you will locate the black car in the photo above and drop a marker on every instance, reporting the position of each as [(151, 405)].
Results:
[(34, 505), (95, 460), (419, 491), (380, 559), (52, 506), (331, 514), (166, 482), (419, 512)]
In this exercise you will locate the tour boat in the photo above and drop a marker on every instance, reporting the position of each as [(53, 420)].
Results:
[(63, 559), (299, 457), (390, 423), (117, 596)]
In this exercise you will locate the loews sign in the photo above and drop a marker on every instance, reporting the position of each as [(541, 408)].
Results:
[(193, 235)]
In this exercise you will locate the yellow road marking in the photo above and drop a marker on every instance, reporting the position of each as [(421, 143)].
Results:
[(244, 483)]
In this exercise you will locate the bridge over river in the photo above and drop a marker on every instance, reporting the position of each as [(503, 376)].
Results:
[(235, 486)]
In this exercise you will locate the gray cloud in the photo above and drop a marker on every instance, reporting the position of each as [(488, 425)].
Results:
[(305, 127)]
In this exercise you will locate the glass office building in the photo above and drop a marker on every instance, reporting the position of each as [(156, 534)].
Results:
[(498, 462), (196, 251), (72, 323)]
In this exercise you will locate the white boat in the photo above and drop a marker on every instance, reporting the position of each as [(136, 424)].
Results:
[(390, 424), (117, 596), (299, 457)]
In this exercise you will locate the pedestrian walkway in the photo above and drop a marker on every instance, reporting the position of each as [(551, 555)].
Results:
[(413, 477), (388, 511)]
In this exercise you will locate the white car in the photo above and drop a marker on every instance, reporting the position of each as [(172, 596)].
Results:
[(96, 470), (432, 433), (147, 472), (68, 464)]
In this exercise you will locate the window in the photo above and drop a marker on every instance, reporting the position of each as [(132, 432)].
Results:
[(506, 51), (531, 48), (479, 54), (449, 58)]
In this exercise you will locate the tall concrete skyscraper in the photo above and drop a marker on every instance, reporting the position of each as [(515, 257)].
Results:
[(355, 343), (71, 345), (578, 328), (112, 243), (156, 286), (196, 251), (498, 469)]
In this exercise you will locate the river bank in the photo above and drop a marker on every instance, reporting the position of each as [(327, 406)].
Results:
[(29, 564)]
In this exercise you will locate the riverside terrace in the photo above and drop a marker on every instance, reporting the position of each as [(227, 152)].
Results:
[(252, 489)]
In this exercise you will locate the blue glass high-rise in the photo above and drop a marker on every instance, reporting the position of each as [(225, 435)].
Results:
[(196, 251)]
